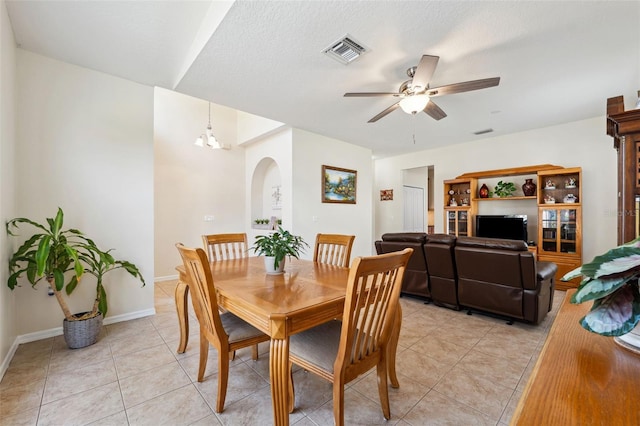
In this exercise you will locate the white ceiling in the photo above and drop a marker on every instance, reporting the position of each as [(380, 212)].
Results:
[(558, 60)]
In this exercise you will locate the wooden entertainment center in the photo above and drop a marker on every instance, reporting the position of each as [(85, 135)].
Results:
[(558, 198)]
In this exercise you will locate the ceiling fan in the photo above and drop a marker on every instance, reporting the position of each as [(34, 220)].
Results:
[(416, 94)]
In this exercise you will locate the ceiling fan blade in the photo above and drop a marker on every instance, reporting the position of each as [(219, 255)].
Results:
[(367, 94), (466, 86), (385, 112), (434, 111), (424, 71)]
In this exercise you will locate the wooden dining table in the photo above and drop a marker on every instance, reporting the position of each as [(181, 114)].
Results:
[(307, 294)]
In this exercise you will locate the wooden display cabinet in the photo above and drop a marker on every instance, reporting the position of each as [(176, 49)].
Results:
[(560, 221), (459, 210), (624, 127)]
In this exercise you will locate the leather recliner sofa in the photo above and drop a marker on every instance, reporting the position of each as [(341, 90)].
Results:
[(416, 281), (491, 275), (503, 277)]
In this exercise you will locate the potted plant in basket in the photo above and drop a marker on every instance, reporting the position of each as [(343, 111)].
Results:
[(51, 254), (611, 282), (275, 246)]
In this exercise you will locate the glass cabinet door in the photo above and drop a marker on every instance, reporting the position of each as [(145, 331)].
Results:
[(458, 222), (558, 233)]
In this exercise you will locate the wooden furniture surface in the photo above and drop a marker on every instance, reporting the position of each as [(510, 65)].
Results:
[(225, 246), (225, 332), (512, 171), (624, 127), (560, 222), (334, 249), (580, 378), (306, 295), (340, 351), (458, 218)]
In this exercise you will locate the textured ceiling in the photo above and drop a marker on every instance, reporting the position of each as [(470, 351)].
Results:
[(558, 61)]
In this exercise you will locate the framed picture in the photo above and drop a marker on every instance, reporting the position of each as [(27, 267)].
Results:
[(338, 185)]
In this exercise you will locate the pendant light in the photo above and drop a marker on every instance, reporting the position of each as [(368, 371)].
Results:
[(208, 138)]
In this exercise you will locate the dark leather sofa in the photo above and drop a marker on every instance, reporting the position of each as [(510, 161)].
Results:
[(491, 275), (415, 280)]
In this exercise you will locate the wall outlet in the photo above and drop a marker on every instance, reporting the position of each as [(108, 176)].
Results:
[(208, 218)]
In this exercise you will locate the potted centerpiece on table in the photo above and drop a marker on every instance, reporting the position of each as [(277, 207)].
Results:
[(276, 246), (611, 282), (61, 257)]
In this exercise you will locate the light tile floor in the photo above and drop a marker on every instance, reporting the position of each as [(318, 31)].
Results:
[(453, 369)]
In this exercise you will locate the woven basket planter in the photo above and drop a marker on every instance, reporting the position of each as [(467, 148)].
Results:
[(79, 334)]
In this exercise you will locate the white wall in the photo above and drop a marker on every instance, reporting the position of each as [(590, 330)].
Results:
[(85, 144), (7, 170), (310, 215), (578, 144), (192, 182), (260, 156), (299, 156)]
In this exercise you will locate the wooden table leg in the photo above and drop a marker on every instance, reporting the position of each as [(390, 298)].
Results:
[(279, 374), (182, 291), (393, 348)]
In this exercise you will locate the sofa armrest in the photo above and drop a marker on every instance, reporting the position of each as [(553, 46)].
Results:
[(546, 270)]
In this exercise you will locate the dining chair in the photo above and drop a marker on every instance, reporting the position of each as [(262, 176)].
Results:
[(226, 332), (334, 249), (340, 351), (225, 246)]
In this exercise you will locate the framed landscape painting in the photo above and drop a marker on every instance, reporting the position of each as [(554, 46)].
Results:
[(338, 185)]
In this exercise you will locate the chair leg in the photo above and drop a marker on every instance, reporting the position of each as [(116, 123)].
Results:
[(233, 355), (393, 348), (254, 352), (382, 388), (292, 392), (223, 378), (338, 401), (204, 354)]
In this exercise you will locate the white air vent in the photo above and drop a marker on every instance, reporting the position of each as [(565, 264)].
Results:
[(345, 50), (482, 132)]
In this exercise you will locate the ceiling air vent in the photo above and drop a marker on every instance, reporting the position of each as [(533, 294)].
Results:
[(482, 132), (345, 50)]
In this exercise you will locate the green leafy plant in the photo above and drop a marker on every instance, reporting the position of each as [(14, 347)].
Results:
[(53, 252), (611, 282), (98, 263), (504, 189), (279, 244)]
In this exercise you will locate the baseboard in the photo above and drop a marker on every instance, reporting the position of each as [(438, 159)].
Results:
[(166, 278), (7, 360), (57, 331)]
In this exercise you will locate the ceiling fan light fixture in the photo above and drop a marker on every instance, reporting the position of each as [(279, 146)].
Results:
[(414, 104)]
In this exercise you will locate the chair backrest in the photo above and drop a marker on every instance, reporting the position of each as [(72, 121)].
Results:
[(225, 246), (203, 292), (373, 290), (333, 249)]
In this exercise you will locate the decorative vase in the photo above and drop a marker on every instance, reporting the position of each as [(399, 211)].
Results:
[(484, 191), (529, 188), (631, 340), (82, 333), (269, 262)]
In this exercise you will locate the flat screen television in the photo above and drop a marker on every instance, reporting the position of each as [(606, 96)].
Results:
[(510, 227)]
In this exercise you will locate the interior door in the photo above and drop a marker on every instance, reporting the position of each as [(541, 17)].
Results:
[(413, 209)]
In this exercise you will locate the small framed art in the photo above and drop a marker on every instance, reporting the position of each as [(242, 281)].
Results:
[(338, 185)]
